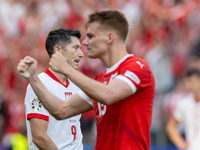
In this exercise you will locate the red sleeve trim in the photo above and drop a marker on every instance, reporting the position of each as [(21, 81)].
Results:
[(39, 116)]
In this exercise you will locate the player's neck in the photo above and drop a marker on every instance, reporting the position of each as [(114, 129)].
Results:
[(60, 77), (113, 55)]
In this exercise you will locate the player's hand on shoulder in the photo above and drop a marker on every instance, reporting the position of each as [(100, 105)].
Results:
[(27, 67)]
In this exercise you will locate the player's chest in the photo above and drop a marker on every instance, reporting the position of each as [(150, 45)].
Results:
[(107, 111), (192, 113), (106, 78), (64, 93)]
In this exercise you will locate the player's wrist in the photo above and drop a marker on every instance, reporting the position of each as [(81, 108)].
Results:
[(33, 78)]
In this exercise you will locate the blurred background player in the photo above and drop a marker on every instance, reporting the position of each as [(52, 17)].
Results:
[(44, 131), (122, 94), (187, 112)]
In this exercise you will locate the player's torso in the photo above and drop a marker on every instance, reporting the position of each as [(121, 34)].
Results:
[(67, 130), (114, 121), (66, 134), (192, 122)]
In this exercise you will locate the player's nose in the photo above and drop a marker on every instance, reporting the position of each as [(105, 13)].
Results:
[(85, 42)]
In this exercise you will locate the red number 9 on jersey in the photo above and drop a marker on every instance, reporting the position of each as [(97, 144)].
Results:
[(73, 129)]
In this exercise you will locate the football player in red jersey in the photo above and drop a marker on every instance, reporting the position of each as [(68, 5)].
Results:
[(121, 96)]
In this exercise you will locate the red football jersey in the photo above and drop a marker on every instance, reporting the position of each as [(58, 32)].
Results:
[(125, 125)]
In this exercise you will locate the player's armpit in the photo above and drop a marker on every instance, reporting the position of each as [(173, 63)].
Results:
[(39, 136)]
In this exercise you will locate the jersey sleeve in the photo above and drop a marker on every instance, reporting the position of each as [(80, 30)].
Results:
[(85, 97), (34, 108), (136, 74)]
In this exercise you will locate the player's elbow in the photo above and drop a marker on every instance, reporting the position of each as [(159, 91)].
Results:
[(61, 113), (38, 139), (59, 117), (107, 99)]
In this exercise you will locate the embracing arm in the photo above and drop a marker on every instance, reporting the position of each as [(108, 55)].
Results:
[(39, 135), (106, 94), (59, 109)]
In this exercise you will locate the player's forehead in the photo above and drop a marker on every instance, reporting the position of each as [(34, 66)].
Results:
[(94, 28), (74, 42)]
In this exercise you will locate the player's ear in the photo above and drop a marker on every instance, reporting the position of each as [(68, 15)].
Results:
[(110, 38), (57, 48)]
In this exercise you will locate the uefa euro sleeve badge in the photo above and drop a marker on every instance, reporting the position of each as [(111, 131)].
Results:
[(36, 104)]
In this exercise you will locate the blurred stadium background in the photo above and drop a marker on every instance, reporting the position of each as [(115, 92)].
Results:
[(166, 33)]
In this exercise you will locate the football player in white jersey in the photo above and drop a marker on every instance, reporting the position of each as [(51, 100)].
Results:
[(44, 131), (187, 112)]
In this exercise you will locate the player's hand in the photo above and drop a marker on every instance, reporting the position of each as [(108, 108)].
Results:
[(27, 67), (58, 62)]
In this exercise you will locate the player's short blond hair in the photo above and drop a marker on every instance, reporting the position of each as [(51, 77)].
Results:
[(111, 19)]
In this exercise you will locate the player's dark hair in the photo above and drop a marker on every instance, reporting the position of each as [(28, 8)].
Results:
[(111, 19), (60, 37), (193, 72)]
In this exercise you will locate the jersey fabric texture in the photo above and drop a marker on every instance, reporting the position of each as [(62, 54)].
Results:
[(66, 134), (188, 112), (125, 125)]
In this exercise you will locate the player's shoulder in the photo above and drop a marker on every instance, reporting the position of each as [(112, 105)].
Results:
[(135, 63), (186, 101), (42, 75), (73, 85), (135, 60), (43, 78)]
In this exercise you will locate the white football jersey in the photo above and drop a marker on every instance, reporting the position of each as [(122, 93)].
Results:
[(66, 134), (188, 112)]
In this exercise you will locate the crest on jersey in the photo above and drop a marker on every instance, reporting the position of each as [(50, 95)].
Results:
[(36, 104), (68, 94)]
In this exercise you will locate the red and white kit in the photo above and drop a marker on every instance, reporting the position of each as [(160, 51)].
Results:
[(188, 112), (66, 134), (125, 125)]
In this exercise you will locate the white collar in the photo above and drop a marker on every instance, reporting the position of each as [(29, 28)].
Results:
[(112, 68)]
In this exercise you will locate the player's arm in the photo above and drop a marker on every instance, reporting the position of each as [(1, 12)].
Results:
[(39, 135), (116, 90), (174, 134), (59, 109)]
